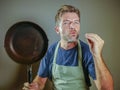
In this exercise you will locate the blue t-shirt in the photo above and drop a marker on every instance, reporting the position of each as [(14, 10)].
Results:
[(68, 58)]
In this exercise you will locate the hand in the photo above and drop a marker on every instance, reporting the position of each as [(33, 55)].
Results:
[(26, 86), (31, 86), (95, 43)]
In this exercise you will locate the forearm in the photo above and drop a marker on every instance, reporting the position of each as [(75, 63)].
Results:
[(41, 82), (104, 79)]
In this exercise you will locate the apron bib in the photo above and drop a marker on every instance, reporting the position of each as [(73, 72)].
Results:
[(68, 77)]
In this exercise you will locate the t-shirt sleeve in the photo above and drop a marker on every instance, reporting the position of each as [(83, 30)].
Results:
[(43, 70), (88, 65), (91, 67), (88, 61), (46, 63)]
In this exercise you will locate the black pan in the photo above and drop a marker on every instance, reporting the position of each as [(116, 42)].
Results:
[(26, 42)]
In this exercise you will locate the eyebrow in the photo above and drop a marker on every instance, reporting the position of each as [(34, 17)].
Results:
[(69, 20)]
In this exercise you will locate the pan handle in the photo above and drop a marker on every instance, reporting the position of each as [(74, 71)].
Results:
[(29, 73)]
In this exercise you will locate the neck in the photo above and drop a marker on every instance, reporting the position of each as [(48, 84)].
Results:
[(68, 45)]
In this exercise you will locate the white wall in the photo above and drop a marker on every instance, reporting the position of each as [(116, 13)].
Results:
[(101, 17)]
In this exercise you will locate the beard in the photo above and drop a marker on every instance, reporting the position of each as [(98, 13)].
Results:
[(71, 38)]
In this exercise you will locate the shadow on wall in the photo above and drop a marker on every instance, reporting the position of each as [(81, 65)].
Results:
[(21, 77)]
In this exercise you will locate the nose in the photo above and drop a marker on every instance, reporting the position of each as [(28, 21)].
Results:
[(72, 25)]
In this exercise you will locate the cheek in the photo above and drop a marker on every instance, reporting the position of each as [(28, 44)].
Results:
[(62, 29), (78, 29)]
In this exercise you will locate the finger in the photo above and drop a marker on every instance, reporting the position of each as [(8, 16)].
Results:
[(93, 37), (25, 88), (90, 36), (90, 43), (26, 84), (34, 84), (90, 39)]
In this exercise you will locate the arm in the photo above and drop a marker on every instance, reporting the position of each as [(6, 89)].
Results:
[(41, 82), (104, 79), (37, 84)]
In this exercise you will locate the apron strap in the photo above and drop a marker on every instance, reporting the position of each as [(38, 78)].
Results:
[(55, 53), (79, 53)]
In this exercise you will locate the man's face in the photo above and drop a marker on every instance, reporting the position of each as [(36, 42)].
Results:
[(69, 27)]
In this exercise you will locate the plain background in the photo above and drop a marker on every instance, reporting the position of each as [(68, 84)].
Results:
[(97, 16)]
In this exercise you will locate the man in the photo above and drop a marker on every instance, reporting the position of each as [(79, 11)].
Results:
[(69, 62)]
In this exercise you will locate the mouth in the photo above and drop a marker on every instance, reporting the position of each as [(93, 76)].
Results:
[(73, 33)]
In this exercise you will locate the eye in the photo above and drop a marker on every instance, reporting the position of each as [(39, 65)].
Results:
[(66, 22), (76, 22)]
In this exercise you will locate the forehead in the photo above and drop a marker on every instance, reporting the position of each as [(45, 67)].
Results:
[(70, 16)]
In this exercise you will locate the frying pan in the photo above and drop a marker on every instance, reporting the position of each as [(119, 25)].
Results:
[(26, 43)]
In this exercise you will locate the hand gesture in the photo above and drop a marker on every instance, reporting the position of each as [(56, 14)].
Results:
[(95, 43)]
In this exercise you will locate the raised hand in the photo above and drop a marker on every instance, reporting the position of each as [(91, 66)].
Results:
[(95, 43)]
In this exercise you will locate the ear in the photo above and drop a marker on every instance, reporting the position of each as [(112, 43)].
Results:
[(57, 29)]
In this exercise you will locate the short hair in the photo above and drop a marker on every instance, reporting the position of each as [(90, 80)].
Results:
[(65, 9)]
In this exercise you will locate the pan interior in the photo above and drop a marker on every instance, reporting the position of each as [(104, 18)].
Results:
[(26, 42)]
